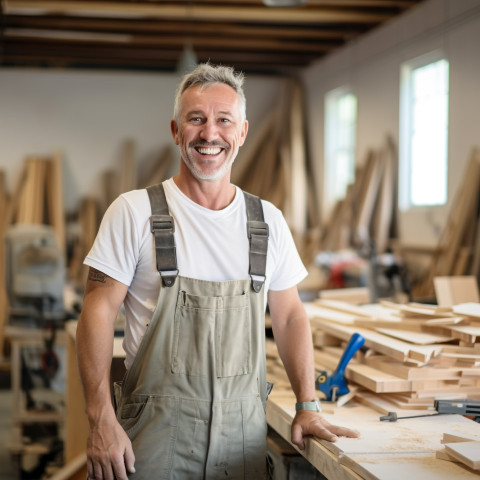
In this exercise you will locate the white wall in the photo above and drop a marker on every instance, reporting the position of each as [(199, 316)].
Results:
[(87, 115), (371, 67)]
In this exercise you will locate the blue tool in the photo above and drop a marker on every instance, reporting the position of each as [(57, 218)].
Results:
[(335, 385)]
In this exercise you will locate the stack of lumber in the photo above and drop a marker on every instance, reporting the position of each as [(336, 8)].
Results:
[(92, 209), (119, 180), (88, 222), (4, 215), (37, 199), (275, 165), (367, 213), (412, 354), (458, 249)]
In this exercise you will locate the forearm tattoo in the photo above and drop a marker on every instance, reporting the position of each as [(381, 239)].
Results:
[(96, 276)]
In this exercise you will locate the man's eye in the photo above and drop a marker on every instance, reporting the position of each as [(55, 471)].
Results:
[(224, 120)]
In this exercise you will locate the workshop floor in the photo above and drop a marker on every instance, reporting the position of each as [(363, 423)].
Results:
[(7, 470)]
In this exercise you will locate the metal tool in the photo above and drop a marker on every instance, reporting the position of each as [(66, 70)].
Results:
[(465, 406), (335, 385), (392, 416), (444, 407)]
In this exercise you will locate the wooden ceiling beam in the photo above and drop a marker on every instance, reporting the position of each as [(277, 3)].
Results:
[(75, 55), (315, 3), (153, 49), (339, 32), (260, 14), (165, 41)]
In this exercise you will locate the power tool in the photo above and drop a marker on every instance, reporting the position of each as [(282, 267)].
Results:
[(464, 406)]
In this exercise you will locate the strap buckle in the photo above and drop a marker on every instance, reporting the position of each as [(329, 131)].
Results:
[(161, 222), (168, 277), (258, 233), (257, 228)]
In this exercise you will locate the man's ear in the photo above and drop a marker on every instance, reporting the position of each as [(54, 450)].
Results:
[(243, 134), (174, 130)]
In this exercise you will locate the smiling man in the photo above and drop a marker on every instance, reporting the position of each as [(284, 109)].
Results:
[(194, 260)]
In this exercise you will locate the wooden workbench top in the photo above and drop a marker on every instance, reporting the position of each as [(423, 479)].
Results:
[(402, 450)]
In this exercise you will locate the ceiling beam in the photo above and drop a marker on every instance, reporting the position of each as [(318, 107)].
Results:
[(90, 24), (250, 43), (260, 14)]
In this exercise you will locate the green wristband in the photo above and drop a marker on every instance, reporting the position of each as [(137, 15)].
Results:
[(314, 405)]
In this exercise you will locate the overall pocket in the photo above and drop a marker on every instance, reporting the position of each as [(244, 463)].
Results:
[(212, 335), (133, 415), (233, 337), (152, 428)]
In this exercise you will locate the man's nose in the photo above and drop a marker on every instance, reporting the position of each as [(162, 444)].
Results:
[(209, 131)]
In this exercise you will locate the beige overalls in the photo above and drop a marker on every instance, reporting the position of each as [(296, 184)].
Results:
[(193, 401)]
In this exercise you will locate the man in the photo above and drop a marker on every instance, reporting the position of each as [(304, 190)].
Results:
[(192, 403)]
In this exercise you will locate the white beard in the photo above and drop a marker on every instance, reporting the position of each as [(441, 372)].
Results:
[(199, 175)]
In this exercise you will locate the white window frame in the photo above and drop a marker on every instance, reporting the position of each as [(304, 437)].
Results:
[(406, 130), (333, 144)]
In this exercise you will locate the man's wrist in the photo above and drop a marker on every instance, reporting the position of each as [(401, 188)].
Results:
[(313, 405)]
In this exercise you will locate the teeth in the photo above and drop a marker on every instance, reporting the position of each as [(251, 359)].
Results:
[(209, 150)]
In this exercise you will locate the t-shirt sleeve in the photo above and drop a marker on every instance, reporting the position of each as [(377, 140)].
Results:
[(288, 268), (115, 250)]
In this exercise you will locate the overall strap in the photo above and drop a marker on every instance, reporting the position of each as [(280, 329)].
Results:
[(162, 227), (257, 231)]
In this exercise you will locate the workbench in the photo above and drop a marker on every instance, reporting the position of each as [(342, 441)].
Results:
[(405, 449), (402, 450)]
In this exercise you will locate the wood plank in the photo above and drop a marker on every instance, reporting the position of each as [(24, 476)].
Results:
[(403, 370), (128, 167), (384, 451), (412, 311), (452, 437), (379, 342), (363, 220), (418, 338), (464, 213), (71, 468), (342, 306), (453, 290), (387, 204), (356, 295), (381, 403), (468, 309), (54, 200), (466, 333), (466, 452), (314, 311)]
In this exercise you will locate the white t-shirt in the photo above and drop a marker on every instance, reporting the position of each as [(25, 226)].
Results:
[(211, 245)]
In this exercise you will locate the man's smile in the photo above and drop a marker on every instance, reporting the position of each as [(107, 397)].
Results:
[(208, 150)]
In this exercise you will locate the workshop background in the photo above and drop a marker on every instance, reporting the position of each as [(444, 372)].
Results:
[(388, 226)]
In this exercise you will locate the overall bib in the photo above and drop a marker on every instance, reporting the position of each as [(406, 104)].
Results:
[(193, 401)]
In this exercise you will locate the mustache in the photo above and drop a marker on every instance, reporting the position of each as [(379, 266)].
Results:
[(204, 143)]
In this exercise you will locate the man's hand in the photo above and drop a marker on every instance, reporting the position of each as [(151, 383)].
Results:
[(109, 452), (309, 423)]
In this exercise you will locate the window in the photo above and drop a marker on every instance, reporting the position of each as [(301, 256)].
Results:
[(340, 125), (424, 132)]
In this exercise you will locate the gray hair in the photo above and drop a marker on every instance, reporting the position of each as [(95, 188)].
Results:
[(207, 74)]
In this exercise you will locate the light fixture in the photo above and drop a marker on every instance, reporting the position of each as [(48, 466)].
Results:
[(283, 3), (188, 59)]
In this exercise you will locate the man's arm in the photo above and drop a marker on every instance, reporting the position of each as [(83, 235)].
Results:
[(291, 329), (109, 450)]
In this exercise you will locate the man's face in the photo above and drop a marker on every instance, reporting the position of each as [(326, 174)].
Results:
[(210, 130)]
